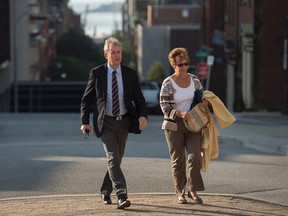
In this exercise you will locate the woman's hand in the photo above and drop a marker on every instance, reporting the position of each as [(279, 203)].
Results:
[(204, 103), (184, 115)]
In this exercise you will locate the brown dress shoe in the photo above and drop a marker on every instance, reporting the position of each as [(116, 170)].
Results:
[(182, 199), (195, 199)]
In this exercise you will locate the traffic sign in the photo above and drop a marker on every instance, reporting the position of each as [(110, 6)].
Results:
[(201, 54), (210, 60), (202, 70)]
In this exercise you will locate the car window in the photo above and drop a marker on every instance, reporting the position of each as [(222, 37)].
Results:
[(148, 86)]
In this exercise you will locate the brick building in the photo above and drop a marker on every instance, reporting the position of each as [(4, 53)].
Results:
[(213, 38), (270, 29), (247, 38)]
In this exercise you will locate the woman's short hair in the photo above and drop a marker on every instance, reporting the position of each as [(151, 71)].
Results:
[(179, 51)]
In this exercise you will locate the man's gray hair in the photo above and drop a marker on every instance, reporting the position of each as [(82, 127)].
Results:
[(111, 41)]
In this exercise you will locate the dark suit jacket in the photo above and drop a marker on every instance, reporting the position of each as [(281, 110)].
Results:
[(97, 89)]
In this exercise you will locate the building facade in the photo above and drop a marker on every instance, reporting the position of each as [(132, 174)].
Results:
[(255, 32), (29, 31)]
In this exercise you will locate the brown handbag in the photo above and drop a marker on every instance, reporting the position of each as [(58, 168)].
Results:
[(200, 118)]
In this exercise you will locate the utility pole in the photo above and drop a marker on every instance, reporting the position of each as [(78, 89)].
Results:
[(285, 63), (15, 58), (85, 16)]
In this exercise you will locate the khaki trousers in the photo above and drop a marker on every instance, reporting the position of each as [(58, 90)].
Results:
[(180, 143)]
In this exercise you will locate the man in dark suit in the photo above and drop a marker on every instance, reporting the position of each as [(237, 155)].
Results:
[(120, 109)]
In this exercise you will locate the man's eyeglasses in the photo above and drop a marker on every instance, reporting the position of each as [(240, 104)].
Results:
[(183, 64)]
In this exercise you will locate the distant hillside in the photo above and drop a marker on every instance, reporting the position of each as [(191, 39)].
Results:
[(116, 7)]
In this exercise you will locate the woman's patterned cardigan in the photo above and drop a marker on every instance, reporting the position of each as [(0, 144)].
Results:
[(167, 102)]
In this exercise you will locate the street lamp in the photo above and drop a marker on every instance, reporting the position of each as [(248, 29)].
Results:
[(15, 58)]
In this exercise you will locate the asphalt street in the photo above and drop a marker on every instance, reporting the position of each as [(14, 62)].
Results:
[(46, 155)]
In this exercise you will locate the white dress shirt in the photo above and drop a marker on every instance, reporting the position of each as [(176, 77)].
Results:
[(109, 91)]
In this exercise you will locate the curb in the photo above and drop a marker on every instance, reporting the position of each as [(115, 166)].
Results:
[(249, 198), (253, 144)]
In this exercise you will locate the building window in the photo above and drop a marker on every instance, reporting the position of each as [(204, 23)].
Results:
[(185, 13)]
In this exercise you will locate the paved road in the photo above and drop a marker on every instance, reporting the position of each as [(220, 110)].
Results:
[(45, 154)]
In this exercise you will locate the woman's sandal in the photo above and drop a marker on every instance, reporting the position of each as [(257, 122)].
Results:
[(197, 200), (182, 199)]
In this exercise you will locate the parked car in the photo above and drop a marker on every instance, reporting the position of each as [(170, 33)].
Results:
[(151, 92)]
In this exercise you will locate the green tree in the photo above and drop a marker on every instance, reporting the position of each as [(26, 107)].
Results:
[(76, 44), (77, 54), (156, 72), (65, 68)]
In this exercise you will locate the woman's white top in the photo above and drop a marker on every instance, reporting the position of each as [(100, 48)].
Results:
[(183, 97)]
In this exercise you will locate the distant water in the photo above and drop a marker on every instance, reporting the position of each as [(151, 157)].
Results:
[(101, 24)]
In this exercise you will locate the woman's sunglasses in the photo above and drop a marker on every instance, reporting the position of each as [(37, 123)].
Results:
[(183, 64)]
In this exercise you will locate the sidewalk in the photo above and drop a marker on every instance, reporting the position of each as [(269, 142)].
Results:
[(142, 204), (263, 131)]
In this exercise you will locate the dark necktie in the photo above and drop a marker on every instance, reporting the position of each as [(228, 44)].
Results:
[(115, 96)]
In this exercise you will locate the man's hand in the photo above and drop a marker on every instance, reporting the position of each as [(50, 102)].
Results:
[(85, 129), (142, 123)]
